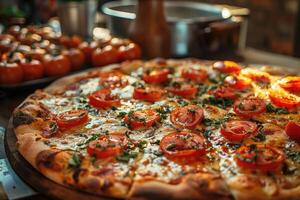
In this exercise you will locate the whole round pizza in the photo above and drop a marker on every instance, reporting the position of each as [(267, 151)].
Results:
[(167, 129)]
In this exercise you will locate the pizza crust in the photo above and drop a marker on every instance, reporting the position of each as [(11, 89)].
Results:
[(198, 186)]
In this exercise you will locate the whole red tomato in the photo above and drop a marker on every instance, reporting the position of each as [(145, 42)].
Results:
[(32, 69), (76, 58), (104, 56), (56, 65), (10, 73)]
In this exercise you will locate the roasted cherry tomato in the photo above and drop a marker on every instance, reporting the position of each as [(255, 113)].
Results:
[(290, 83), (76, 58), (224, 93), (156, 76), (87, 49), (249, 107), (292, 129), (141, 119), (182, 145), (37, 54), (183, 90), (237, 130), (104, 56), (283, 99), (227, 67), (198, 75), (129, 52), (256, 75), (187, 116), (147, 94), (259, 157), (56, 65), (239, 83), (103, 99), (112, 79), (33, 69), (70, 42), (10, 73), (72, 118), (107, 145)]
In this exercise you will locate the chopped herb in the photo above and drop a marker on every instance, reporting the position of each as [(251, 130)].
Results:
[(171, 147), (260, 137), (74, 161), (158, 153), (93, 159), (114, 108), (293, 155), (220, 102), (94, 137), (126, 156), (207, 133), (142, 144), (121, 114), (182, 102), (272, 109)]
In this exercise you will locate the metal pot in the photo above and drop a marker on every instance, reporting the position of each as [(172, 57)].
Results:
[(77, 18), (196, 28)]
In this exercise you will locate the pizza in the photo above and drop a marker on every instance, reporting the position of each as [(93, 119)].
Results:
[(167, 129)]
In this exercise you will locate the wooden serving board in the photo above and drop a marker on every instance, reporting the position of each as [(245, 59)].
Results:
[(35, 179)]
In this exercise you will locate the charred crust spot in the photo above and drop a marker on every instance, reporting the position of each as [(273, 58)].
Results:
[(21, 118), (77, 173), (106, 184), (46, 158)]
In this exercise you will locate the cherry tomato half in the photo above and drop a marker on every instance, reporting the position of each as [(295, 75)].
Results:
[(259, 157), (72, 118), (103, 99), (141, 119), (198, 75), (256, 75), (292, 129), (187, 116), (182, 145), (283, 99), (107, 145), (239, 83), (227, 67), (249, 107), (238, 130), (112, 79), (147, 94), (290, 83), (225, 93), (156, 76), (183, 90)]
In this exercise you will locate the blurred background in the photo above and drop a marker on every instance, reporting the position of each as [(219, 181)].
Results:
[(273, 25)]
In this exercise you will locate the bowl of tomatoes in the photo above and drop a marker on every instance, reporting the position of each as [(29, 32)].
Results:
[(32, 55)]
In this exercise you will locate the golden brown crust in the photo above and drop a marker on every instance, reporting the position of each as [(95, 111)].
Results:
[(197, 186)]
